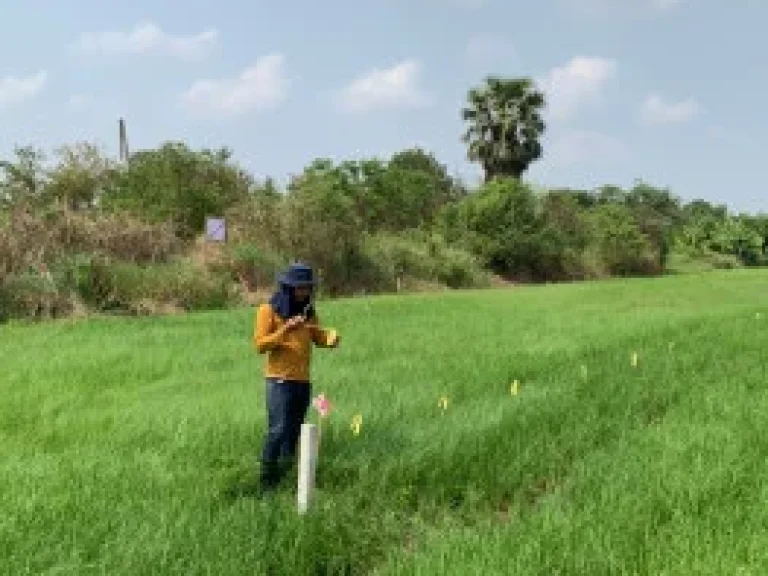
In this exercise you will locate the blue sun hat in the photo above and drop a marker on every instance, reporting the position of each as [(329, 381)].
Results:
[(298, 275)]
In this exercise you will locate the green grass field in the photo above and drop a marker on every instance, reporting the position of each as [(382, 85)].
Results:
[(128, 445)]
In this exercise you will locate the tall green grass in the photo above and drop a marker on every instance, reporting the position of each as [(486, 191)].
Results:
[(129, 446)]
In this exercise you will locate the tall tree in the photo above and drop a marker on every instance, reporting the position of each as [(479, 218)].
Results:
[(178, 184), (23, 178), (504, 126), (82, 174)]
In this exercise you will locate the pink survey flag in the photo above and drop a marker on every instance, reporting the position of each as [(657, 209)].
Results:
[(322, 405)]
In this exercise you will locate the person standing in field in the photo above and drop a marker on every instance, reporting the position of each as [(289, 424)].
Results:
[(286, 328)]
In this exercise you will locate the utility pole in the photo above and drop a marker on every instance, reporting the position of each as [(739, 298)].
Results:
[(123, 142)]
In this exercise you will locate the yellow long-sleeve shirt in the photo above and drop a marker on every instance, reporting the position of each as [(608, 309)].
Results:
[(289, 351)]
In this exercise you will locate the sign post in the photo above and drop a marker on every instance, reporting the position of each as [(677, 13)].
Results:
[(215, 230)]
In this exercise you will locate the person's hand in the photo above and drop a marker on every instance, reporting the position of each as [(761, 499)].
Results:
[(294, 322)]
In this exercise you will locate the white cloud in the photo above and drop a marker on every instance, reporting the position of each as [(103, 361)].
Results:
[(389, 88), (655, 110), (148, 37), (15, 90), (258, 88), (579, 146), (571, 87)]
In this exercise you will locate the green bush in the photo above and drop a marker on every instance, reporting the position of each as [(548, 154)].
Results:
[(501, 224), (106, 286), (618, 244), (687, 261), (458, 268), (420, 257), (724, 261), (31, 295), (193, 288), (180, 283), (320, 227), (256, 266), (176, 184), (73, 274), (120, 286)]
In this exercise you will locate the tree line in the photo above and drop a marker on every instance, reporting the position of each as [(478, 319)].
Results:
[(109, 235)]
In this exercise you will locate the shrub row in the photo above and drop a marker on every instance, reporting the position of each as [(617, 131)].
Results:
[(92, 283), (83, 282), (30, 238), (129, 236)]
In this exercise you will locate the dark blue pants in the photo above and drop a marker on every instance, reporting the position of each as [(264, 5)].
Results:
[(287, 404)]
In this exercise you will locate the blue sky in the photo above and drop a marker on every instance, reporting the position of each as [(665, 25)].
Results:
[(670, 91)]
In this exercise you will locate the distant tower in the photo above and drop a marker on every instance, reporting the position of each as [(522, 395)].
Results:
[(123, 142)]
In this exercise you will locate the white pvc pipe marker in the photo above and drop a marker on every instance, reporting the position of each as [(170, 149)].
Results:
[(307, 466)]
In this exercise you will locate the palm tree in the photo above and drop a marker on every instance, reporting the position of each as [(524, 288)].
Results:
[(505, 125)]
